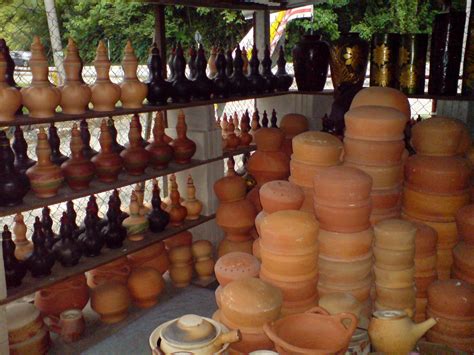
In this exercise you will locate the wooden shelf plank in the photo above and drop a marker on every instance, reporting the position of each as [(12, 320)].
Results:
[(59, 273), (65, 194)]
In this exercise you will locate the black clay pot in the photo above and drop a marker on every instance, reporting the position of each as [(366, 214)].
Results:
[(86, 139), (284, 80), (67, 250), (159, 90), (239, 83), (56, 156), (22, 160), (268, 76), (203, 86), (15, 270), (257, 84), (41, 261), (383, 59), (157, 218), (221, 81), (411, 63), (182, 86)]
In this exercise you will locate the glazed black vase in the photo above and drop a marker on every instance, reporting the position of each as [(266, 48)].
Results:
[(171, 65), (116, 198), (221, 81), (203, 86), (91, 240), (238, 81), (114, 232), (311, 63), (56, 156), (468, 68), (192, 63), (22, 160), (72, 215), (67, 250), (86, 139), (159, 90), (284, 80), (15, 270), (47, 223), (268, 76), (446, 52), (13, 184), (182, 86), (229, 69), (157, 217), (257, 84), (411, 63), (41, 261), (383, 59)]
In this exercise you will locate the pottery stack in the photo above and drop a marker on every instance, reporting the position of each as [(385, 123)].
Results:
[(437, 182), (289, 251), (292, 124), (312, 152), (463, 253), (342, 207), (394, 269)]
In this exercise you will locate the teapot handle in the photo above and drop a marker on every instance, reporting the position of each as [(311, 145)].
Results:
[(346, 315), (317, 310)]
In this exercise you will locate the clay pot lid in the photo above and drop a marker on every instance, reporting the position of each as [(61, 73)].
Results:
[(454, 298), (293, 123), (464, 253), (338, 302), (20, 314), (190, 330), (275, 194), (390, 314), (376, 114), (394, 226), (316, 138), (290, 223), (430, 165), (425, 239), (269, 139), (237, 265), (230, 188), (437, 123), (382, 96)]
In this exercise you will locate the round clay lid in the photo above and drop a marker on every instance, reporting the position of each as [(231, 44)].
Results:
[(453, 298), (394, 226), (20, 314), (236, 265), (269, 139), (189, 330), (293, 123), (464, 253), (291, 223), (425, 239), (280, 193), (383, 96), (230, 188), (316, 138)]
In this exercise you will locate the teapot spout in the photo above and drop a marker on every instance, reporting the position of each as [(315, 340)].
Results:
[(421, 328)]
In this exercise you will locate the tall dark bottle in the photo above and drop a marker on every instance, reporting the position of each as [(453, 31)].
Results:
[(41, 261), (13, 184), (203, 86), (91, 240), (192, 63), (86, 140), (239, 82), (268, 76), (229, 68), (15, 270), (116, 147), (47, 223), (67, 250), (71, 215), (118, 202), (56, 156), (257, 84), (114, 232), (284, 80), (221, 81), (22, 160), (159, 90), (182, 87), (158, 218)]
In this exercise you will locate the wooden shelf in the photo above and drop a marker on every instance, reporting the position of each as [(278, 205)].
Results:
[(65, 193), (59, 273)]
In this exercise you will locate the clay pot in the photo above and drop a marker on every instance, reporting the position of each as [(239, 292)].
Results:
[(425, 265), (458, 343), (382, 96), (394, 278), (292, 291), (133, 92), (302, 173), (280, 195), (381, 215), (111, 300), (181, 275), (377, 153), (343, 219), (452, 299), (452, 327), (345, 246), (300, 306), (254, 197), (386, 199), (288, 265), (340, 302), (375, 123), (395, 298), (235, 266), (465, 223), (23, 321), (268, 166), (317, 148), (259, 219), (236, 219), (117, 270), (184, 238), (230, 188), (293, 124), (308, 203), (227, 246), (269, 139), (342, 184), (334, 271), (422, 283), (436, 208), (360, 290), (184, 148), (425, 240), (145, 285), (383, 177), (447, 231), (444, 260), (463, 258), (390, 259), (395, 234), (10, 95), (154, 256)]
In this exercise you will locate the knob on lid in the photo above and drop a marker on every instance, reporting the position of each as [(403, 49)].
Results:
[(189, 330)]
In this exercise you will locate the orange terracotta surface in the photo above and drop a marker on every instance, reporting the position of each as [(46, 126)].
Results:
[(288, 265), (254, 197), (294, 123), (286, 147), (375, 123), (444, 259), (425, 240), (256, 249), (360, 290), (346, 271), (230, 188), (443, 175), (280, 195), (394, 278), (145, 285), (383, 96), (154, 256), (227, 246), (422, 284), (395, 234), (317, 148), (345, 246), (465, 223), (184, 238), (336, 303), (236, 218), (378, 153), (397, 298), (466, 140), (383, 177), (235, 266), (292, 291), (111, 300), (452, 299), (447, 231), (463, 258), (117, 270), (303, 173), (300, 306), (258, 220), (425, 265), (461, 328), (310, 274), (390, 259), (269, 139), (378, 216), (456, 273), (343, 219), (268, 166), (459, 343), (308, 203)]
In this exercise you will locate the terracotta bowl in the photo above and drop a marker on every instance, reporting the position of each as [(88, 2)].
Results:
[(294, 123), (343, 219), (383, 177), (342, 184), (235, 266), (397, 298), (437, 136), (111, 300), (269, 139), (425, 264), (374, 123), (458, 343), (452, 298), (394, 278), (337, 271), (463, 257), (395, 234), (390, 259), (465, 223), (292, 291), (227, 246), (280, 195), (288, 265), (375, 153), (290, 232), (422, 284), (345, 246), (303, 173), (361, 290), (460, 328), (317, 148), (378, 216), (386, 199), (440, 175), (447, 231), (382, 96), (425, 240), (230, 188)]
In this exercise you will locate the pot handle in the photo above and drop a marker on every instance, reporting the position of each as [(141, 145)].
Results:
[(267, 328), (229, 337), (346, 315), (317, 310)]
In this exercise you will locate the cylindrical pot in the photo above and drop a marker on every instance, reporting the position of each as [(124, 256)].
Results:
[(348, 61), (383, 61), (446, 51), (311, 62), (411, 63)]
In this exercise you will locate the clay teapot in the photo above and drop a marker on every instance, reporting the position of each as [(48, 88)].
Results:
[(132, 91), (393, 332)]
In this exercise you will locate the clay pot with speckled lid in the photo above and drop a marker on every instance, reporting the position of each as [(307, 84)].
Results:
[(383, 177), (451, 327), (465, 223), (235, 266), (379, 153), (385, 199), (452, 299), (317, 148), (345, 246), (395, 234), (280, 195), (343, 219)]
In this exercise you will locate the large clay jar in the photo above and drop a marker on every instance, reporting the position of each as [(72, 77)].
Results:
[(154, 256), (132, 91), (68, 294), (45, 177), (105, 94), (108, 164), (373, 153), (111, 300), (10, 96), (183, 147), (181, 268), (135, 156), (117, 270), (161, 153), (236, 219), (145, 285), (383, 177), (311, 63), (41, 98), (395, 234), (345, 246), (75, 95)]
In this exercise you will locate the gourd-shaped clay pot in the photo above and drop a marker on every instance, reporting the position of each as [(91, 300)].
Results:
[(140, 193), (15, 270), (212, 62), (13, 184), (231, 141), (10, 96), (145, 285), (116, 147), (111, 300), (24, 247), (245, 137), (177, 211), (118, 201), (10, 69), (184, 148), (170, 64), (284, 80), (231, 187), (238, 81), (66, 250), (160, 151), (41, 98), (221, 81), (257, 84), (159, 89), (45, 177), (86, 138), (135, 156), (136, 224), (108, 164), (268, 76), (203, 261), (192, 204), (22, 160), (53, 139), (78, 170), (75, 95), (181, 269), (229, 68), (133, 92), (157, 218), (105, 94), (203, 86), (182, 87), (114, 232), (40, 262), (91, 240), (47, 225)]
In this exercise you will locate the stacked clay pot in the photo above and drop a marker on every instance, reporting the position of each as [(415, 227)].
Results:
[(437, 182), (463, 253), (235, 214), (289, 252), (451, 303), (394, 269), (154, 256), (425, 266), (312, 152), (342, 207), (292, 124)]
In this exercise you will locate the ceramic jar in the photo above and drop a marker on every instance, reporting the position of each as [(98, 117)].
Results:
[(465, 223), (383, 59), (145, 285), (154, 256), (236, 219), (160, 151), (293, 124), (377, 153), (290, 267), (108, 163), (280, 195), (317, 148), (345, 246), (117, 270), (412, 62), (463, 263), (203, 260), (111, 300), (235, 266), (181, 268), (132, 91), (394, 278), (183, 147), (268, 166)]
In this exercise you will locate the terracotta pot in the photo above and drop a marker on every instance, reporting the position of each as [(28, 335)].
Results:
[(382, 96), (340, 302), (441, 175), (117, 270), (395, 234), (447, 231), (444, 259), (378, 216), (456, 328), (181, 275), (360, 290), (227, 246), (293, 124), (378, 153), (317, 148), (154, 256), (111, 300), (397, 298), (458, 343), (299, 306), (436, 208), (456, 273), (463, 257), (383, 177), (36, 344), (311, 332), (347, 271), (269, 139), (184, 238), (230, 188), (288, 265), (375, 123), (425, 264), (256, 249), (425, 240), (235, 266), (345, 246), (289, 232), (422, 284), (342, 184), (23, 321), (280, 195), (310, 274), (465, 223), (254, 197), (292, 291), (437, 136), (347, 219), (308, 203), (390, 259), (145, 285), (236, 218), (268, 166), (386, 199), (394, 278), (302, 173), (259, 219)]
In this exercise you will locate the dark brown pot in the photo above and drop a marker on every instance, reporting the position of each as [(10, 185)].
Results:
[(383, 59)]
